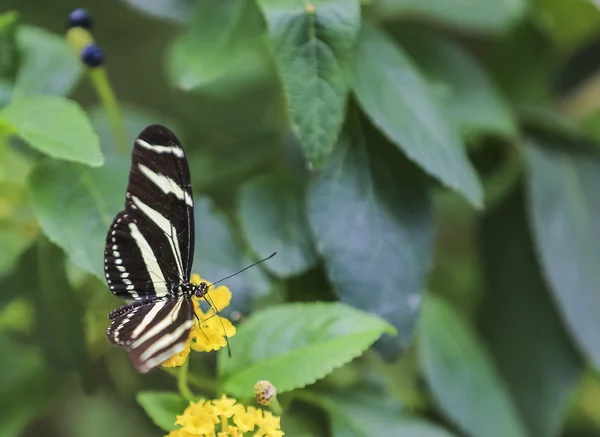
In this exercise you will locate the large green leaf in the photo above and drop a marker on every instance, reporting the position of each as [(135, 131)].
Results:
[(294, 345), (223, 50), (532, 351), (218, 254), (469, 97), (48, 65), (75, 206), (55, 126), (273, 217), (375, 232), (487, 16), (564, 205), (103, 413), (396, 99), (361, 412), (461, 375), (162, 407), (26, 386), (313, 44), (59, 314)]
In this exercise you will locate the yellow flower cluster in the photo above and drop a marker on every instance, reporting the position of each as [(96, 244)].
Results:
[(224, 417), (212, 332)]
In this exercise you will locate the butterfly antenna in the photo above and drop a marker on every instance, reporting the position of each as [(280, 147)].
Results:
[(244, 269), (214, 307)]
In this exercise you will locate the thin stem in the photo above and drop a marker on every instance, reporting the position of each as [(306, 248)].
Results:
[(182, 383), (107, 97), (275, 406), (224, 425), (80, 38)]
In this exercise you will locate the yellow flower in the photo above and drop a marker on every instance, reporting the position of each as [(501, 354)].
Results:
[(212, 332), (212, 418)]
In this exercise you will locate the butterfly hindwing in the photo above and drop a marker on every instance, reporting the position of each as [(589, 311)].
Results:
[(150, 244), (153, 332)]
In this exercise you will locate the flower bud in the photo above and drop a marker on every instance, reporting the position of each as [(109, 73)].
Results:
[(264, 392)]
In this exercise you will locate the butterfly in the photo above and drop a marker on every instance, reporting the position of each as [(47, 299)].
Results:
[(149, 253)]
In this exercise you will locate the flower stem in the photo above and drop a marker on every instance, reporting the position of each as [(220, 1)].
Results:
[(276, 407), (100, 81), (224, 425), (78, 39), (182, 383)]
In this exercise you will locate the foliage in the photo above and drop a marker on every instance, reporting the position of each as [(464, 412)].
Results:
[(382, 147)]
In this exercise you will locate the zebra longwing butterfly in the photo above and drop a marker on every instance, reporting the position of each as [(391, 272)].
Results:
[(149, 252)]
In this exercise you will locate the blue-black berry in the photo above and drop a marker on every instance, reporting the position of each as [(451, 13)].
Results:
[(80, 18), (92, 56)]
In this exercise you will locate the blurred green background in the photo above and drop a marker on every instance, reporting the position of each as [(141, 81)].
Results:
[(506, 341)]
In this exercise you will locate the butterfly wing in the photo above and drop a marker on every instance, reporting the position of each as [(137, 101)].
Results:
[(150, 244), (153, 332)]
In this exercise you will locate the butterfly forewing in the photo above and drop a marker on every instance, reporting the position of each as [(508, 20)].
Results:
[(149, 250), (151, 242), (153, 332)]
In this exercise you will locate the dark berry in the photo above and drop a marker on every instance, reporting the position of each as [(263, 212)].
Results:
[(92, 56), (80, 18)]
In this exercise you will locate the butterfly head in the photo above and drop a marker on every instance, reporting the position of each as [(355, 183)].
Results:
[(201, 289)]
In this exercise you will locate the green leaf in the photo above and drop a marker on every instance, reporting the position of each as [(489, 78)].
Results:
[(75, 206), (103, 413), (170, 10), (469, 97), (396, 99), (273, 217), (59, 314), (461, 375), (313, 44), (360, 412), (564, 204), (218, 254), (482, 16), (54, 126), (294, 345), (26, 387), (223, 50), (533, 351), (375, 232), (162, 407), (48, 65)]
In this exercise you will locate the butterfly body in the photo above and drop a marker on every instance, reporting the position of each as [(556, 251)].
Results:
[(149, 253)]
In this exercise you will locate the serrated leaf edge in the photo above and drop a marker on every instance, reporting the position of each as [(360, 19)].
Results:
[(387, 328)]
